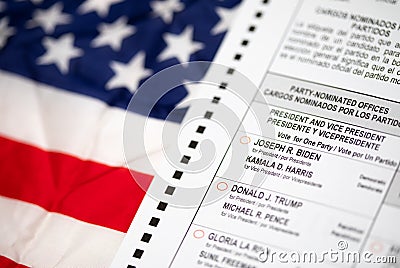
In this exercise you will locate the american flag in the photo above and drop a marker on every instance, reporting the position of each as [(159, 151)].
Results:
[(68, 70)]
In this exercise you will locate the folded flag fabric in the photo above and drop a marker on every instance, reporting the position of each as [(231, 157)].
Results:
[(68, 70)]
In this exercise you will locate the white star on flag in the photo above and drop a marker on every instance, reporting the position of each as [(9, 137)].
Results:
[(49, 18), (129, 75), (180, 46), (59, 51), (165, 9), (102, 7), (113, 34), (226, 16), (5, 32)]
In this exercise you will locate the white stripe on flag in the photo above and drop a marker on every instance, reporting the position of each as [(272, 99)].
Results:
[(58, 120), (35, 237)]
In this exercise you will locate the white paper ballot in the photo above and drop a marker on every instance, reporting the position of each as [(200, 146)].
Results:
[(300, 129)]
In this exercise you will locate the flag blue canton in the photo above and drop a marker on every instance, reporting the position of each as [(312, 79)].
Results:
[(106, 48)]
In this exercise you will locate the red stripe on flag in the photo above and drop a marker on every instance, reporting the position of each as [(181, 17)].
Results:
[(7, 263), (82, 189)]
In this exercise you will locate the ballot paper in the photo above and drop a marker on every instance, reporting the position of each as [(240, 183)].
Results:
[(289, 153)]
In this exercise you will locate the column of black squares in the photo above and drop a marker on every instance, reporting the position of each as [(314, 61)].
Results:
[(208, 114)]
